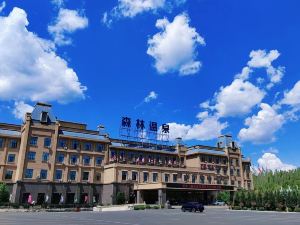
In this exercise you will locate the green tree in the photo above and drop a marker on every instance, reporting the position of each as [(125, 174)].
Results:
[(224, 196), (4, 193)]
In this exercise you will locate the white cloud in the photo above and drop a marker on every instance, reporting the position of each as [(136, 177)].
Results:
[(2, 6), (132, 8), (21, 109), (207, 129), (238, 98), (270, 161), (244, 75), (263, 126), (292, 97), (175, 47), (68, 21), (58, 3), (151, 96), (33, 71), (262, 59)]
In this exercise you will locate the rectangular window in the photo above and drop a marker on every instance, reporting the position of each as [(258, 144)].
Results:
[(145, 177), (60, 158), (73, 159), (86, 160), (13, 143), (167, 178), (85, 175), (202, 179), (238, 173), (11, 158), (62, 143), (185, 177), (124, 175), (72, 175), (44, 117), (99, 161), (8, 174), (75, 145), (98, 176), (45, 157), (43, 174), (231, 172), (154, 177), (28, 173), (33, 141), (174, 178), (194, 178), (88, 146), (100, 147), (47, 142), (1, 142), (31, 156), (134, 175), (58, 174)]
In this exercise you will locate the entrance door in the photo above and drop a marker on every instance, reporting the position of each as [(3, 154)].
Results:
[(70, 198), (25, 197), (56, 198), (40, 198)]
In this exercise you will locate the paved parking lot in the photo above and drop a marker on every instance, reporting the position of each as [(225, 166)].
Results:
[(151, 217)]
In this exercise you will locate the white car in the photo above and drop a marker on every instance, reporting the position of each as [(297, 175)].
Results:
[(219, 203)]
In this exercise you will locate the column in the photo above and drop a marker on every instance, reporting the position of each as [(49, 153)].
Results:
[(162, 196), (139, 198)]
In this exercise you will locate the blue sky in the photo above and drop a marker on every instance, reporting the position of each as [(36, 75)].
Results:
[(99, 60)]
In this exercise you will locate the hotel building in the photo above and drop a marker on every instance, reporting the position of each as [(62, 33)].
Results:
[(64, 162)]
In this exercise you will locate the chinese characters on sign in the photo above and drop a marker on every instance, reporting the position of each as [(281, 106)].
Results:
[(151, 133)]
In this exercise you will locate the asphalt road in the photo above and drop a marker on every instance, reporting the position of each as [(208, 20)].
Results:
[(151, 217)]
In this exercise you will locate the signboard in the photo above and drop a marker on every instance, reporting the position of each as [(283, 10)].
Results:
[(199, 186)]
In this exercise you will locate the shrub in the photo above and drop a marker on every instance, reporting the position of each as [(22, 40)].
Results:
[(4, 193), (156, 207), (139, 207), (237, 208), (120, 198), (148, 207), (291, 209), (224, 196), (261, 208), (297, 210)]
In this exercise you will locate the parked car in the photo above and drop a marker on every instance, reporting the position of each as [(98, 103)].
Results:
[(219, 203), (192, 207)]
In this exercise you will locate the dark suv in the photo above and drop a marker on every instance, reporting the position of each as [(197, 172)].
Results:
[(192, 207)]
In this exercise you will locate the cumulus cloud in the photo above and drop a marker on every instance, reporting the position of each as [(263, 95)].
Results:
[(58, 3), (132, 8), (270, 161), (238, 98), (2, 6), (33, 71), (263, 126), (20, 109), (263, 59), (174, 48), (207, 129), (292, 97), (150, 97), (67, 21)]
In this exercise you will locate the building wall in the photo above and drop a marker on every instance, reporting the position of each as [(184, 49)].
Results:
[(105, 180)]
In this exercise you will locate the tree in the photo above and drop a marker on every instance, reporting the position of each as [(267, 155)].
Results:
[(120, 198), (224, 196), (4, 193)]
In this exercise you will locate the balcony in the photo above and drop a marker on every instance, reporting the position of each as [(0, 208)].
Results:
[(159, 163)]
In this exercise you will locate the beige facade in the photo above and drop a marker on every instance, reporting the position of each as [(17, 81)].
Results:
[(64, 162)]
